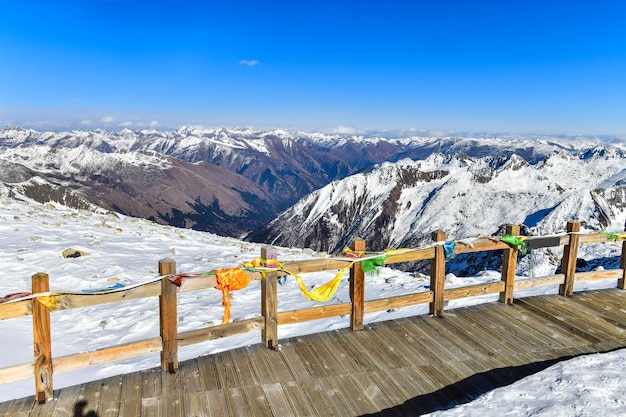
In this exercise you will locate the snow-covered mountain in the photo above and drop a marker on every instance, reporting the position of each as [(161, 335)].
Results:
[(400, 204), (232, 181)]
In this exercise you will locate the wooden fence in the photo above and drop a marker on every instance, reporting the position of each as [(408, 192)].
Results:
[(43, 365)]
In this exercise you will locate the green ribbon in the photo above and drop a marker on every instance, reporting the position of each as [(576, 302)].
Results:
[(515, 241), (610, 236), (370, 265)]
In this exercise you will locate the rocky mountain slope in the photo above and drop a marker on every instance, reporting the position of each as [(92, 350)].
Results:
[(399, 204), (232, 181)]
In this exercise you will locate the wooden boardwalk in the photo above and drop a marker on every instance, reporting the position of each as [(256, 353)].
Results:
[(403, 367)]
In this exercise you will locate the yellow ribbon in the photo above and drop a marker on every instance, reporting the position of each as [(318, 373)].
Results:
[(49, 301)]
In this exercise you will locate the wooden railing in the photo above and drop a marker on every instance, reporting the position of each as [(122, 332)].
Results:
[(44, 365)]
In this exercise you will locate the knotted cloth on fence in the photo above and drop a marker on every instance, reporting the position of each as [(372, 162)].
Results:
[(516, 241), (227, 280), (326, 291)]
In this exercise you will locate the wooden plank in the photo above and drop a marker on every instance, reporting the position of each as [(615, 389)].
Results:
[(583, 314), (110, 354), (315, 265), (474, 290), (196, 404), (371, 391), (153, 407), (524, 284), (410, 256), (358, 351), (398, 301), (315, 365), (207, 365), (568, 263), (319, 400), (42, 340), (65, 402), (15, 309), (257, 402), (314, 313), (277, 399), (438, 340), (243, 366), (236, 402), (489, 332), (299, 405), (481, 245), (598, 275), (549, 312), (333, 356), (437, 275), (291, 358), (269, 365), (555, 335), (16, 372), (168, 317), (525, 326), (200, 283), (413, 335), (66, 301), (111, 389), (509, 266), (23, 406), (151, 383), (396, 391), (495, 329), (336, 398), (594, 238), (173, 406), (190, 377), (468, 332), (611, 300), (90, 395), (396, 339), (357, 289), (269, 302), (220, 331), (621, 283), (217, 402), (354, 395), (131, 387), (376, 348), (227, 373)]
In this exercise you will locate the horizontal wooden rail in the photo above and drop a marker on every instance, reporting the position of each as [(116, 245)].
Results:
[(170, 340), (220, 331), (314, 313)]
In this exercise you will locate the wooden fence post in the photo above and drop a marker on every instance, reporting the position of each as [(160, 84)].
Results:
[(269, 302), (509, 265), (621, 283), (357, 289), (438, 275), (42, 340), (568, 263), (168, 316)]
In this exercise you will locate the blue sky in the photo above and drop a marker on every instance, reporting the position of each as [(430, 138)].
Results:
[(554, 67)]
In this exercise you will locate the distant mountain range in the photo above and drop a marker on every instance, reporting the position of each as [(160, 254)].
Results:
[(321, 191)]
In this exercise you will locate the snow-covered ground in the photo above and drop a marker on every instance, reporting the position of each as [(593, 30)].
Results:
[(124, 250)]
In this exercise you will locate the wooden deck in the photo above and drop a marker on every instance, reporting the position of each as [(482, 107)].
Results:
[(403, 367)]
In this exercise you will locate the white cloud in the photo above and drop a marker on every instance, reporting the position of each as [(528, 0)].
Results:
[(347, 130), (85, 122), (250, 62), (107, 119), (126, 124), (154, 123)]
